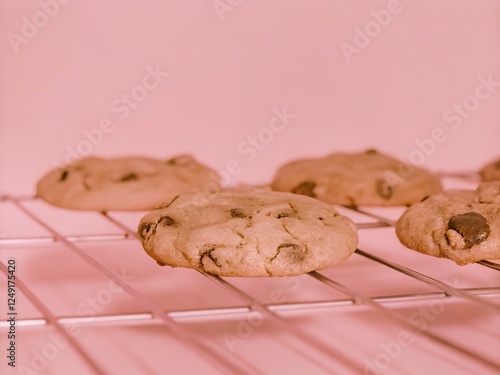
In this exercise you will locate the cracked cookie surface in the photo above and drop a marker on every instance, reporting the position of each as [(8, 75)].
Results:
[(126, 183), (462, 225), (248, 232), (367, 178)]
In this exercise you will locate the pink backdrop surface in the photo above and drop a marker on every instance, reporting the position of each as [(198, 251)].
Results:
[(250, 83), (244, 86)]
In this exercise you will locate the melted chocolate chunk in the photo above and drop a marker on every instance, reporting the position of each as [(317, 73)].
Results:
[(237, 213), (384, 189), (129, 177), (473, 228), (305, 188), (371, 151), (291, 251), (166, 220), (64, 175), (144, 229)]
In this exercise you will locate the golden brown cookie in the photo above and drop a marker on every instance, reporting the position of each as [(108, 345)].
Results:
[(248, 232), (126, 183), (462, 225), (367, 178)]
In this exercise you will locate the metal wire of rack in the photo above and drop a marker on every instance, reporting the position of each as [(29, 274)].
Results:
[(353, 318)]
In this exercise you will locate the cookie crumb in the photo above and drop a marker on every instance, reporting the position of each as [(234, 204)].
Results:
[(455, 240), (384, 189)]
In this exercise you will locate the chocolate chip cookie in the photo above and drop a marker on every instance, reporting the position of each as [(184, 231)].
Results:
[(491, 171), (367, 178), (462, 225), (248, 232), (126, 183)]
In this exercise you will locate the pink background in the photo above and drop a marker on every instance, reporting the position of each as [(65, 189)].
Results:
[(228, 75), (228, 72)]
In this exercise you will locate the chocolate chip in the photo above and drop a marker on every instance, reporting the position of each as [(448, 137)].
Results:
[(291, 251), (472, 226), (371, 151), (305, 188), (129, 177), (208, 253), (64, 175), (425, 198), (238, 213), (144, 229), (180, 160), (166, 220), (384, 189), (283, 214), (86, 183)]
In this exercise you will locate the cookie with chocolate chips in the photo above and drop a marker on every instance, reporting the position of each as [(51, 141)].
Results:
[(368, 178), (462, 225), (248, 232), (491, 171), (126, 183)]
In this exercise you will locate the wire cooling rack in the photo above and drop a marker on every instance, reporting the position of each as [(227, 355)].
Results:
[(88, 300)]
